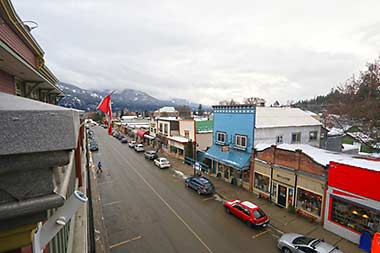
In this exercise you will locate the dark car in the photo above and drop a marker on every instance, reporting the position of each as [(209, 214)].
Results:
[(124, 140), (120, 136), (201, 184), (94, 146), (151, 155)]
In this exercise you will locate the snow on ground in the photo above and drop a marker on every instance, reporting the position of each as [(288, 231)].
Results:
[(180, 174)]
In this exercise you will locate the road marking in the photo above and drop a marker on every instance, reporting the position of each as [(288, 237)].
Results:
[(106, 182), (208, 198), (169, 206), (279, 231), (126, 241), (112, 203), (260, 234)]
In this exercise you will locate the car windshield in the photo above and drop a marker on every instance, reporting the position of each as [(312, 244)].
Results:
[(163, 160), (303, 240), (258, 213), (208, 184)]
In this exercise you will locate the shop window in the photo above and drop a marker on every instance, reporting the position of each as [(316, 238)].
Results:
[(309, 202), (245, 176), (313, 135), (180, 152), (279, 139), (241, 141), (161, 129), (296, 137), (261, 182), (220, 137), (274, 190), (290, 196), (354, 217), (173, 149), (19, 88)]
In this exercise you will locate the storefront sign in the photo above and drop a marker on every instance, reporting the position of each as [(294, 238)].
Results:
[(225, 148), (283, 177)]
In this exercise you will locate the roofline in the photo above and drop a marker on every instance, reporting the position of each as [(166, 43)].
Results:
[(19, 26), (288, 126), (234, 106)]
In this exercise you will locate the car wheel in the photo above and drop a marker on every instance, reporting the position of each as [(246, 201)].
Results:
[(228, 210), (199, 191), (187, 184), (249, 224), (286, 250)]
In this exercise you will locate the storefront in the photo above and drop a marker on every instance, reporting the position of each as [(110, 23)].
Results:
[(262, 178), (149, 140), (177, 146), (283, 186), (310, 195), (229, 165), (353, 200), (140, 135)]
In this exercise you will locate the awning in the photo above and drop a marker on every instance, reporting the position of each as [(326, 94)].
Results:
[(149, 137), (141, 133), (236, 159)]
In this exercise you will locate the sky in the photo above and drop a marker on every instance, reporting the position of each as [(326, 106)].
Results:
[(207, 51)]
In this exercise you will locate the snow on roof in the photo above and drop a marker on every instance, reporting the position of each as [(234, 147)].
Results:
[(249, 204), (335, 131), (347, 147), (269, 117), (324, 157), (180, 139), (167, 109)]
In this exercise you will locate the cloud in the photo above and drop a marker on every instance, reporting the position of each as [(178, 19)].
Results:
[(206, 51)]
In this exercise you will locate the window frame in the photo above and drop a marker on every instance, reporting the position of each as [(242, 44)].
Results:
[(241, 136), (296, 134), (277, 139), (217, 137), (316, 135)]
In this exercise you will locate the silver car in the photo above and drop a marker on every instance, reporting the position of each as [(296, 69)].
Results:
[(296, 243)]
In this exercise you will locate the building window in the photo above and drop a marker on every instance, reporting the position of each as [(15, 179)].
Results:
[(187, 134), (279, 139), (220, 137), (166, 129), (261, 182), (354, 217), (296, 137), (309, 202), (313, 135), (240, 141), (161, 128)]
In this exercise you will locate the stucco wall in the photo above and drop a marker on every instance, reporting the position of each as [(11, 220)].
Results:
[(268, 135), (187, 125), (204, 140)]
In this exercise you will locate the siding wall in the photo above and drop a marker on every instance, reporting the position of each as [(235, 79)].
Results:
[(187, 125), (204, 140), (7, 83), (268, 135), (8, 36)]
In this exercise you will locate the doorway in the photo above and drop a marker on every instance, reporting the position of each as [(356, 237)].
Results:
[(281, 197)]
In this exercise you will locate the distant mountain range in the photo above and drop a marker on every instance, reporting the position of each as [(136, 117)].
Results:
[(133, 100)]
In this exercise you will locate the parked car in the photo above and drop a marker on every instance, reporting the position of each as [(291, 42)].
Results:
[(124, 140), (132, 144), (120, 136), (94, 146), (162, 162), (248, 212), (294, 243), (201, 184), (151, 155), (139, 148)]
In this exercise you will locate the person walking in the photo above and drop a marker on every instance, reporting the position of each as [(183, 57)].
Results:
[(99, 167)]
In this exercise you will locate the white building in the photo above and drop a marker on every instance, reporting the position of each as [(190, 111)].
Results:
[(276, 125)]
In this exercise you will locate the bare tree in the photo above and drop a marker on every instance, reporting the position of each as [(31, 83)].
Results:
[(359, 103), (228, 102), (254, 101)]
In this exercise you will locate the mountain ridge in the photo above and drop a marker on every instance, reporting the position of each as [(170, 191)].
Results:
[(131, 99)]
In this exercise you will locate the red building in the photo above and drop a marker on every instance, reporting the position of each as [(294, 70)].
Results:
[(353, 199)]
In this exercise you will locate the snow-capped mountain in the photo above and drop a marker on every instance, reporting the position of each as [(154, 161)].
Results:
[(133, 100)]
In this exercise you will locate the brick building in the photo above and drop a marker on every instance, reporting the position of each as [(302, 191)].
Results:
[(290, 177)]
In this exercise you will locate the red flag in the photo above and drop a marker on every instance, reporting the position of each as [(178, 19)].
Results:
[(105, 106)]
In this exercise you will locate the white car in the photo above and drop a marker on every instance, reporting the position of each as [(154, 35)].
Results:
[(139, 148), (132, 144), (162, 162)]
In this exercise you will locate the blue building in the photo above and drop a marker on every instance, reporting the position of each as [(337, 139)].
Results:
[(233, 140)]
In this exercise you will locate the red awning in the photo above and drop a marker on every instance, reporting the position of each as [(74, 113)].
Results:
[(141, 133)]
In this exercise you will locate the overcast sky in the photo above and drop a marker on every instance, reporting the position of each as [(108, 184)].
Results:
[(207, 51)]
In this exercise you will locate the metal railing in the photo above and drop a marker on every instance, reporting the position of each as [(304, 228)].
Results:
[(204, 167)]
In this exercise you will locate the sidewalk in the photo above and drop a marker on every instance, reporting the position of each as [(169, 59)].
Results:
[(280, 218)]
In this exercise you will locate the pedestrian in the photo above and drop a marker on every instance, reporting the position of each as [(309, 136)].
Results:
[(99, 167)]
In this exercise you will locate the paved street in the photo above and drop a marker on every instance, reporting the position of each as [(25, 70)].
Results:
[(149, 210)]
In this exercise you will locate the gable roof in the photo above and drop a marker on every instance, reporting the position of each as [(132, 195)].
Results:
[(270, 117)]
